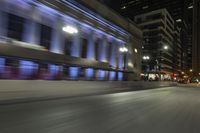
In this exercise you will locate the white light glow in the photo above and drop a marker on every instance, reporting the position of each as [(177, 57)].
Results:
[(179, 20), (165, 47), (70, 29), (136, 51), (146, 58), (130, 64), (124, 7), (123, 49), (190, 7)]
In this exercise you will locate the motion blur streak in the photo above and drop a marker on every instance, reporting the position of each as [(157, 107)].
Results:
[(165, 110)]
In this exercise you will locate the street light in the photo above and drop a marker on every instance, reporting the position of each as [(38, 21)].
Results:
[(166, 47), (123, 7), (136, 51), (191, 70), (146, 58), (190, 7), (179, 20), (123, 49), (70, 29)]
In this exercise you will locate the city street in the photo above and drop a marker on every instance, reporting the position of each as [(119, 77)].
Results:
[(163, 110)]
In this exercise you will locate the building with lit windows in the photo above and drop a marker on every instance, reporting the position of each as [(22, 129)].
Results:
[(67, 39), (162, 45), (196, 38), (180, 10)]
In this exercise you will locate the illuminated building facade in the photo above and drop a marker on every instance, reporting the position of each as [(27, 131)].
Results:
[(162, 44), (66, 39)]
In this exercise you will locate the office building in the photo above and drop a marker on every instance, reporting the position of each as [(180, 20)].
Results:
[(180, 10), (45, 39), (162, 45), (196, 37)]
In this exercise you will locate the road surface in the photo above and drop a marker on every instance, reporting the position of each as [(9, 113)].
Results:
[(164, 110)]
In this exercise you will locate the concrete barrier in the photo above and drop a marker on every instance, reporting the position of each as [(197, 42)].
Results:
[(28, 90)]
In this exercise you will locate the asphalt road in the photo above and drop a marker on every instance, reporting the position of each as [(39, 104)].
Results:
[(164, 110)]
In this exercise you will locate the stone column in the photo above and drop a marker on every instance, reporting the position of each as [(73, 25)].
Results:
[(58, 40), (112, 74), (57, 46), (31, 35), (91, 46), (103, 57), (75, 52), (31, 32), (103, 50), (90, 54), (76, 45), (120, 63)]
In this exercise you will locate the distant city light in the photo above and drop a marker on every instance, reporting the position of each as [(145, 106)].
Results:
[(166, 47), (123, 49), (145, 7), (190, 7), (130, 64), (70, 29), (142, 74), (179, 20), (124, 7), (146, 57), (136, 51)]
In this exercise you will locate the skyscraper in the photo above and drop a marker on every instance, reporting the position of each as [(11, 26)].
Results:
[(180, 10), (162, 45), (196, 37)]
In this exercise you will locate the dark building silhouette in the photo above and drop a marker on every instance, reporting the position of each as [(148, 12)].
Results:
[(180, 10), (196, 37)]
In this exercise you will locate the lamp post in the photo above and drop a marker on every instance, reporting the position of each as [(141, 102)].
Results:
[(164, 48), (70, 29), (145, 59), (124, 51)]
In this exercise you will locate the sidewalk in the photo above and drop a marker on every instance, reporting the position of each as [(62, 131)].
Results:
[(195, 85), (26, 90)]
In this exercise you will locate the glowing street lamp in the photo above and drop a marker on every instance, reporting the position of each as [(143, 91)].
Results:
[(146, 58), (191, 70), (123, 7), (136, 51), (70, 29), (123, 49), (166, 47), (190, 7), (179, 20)]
